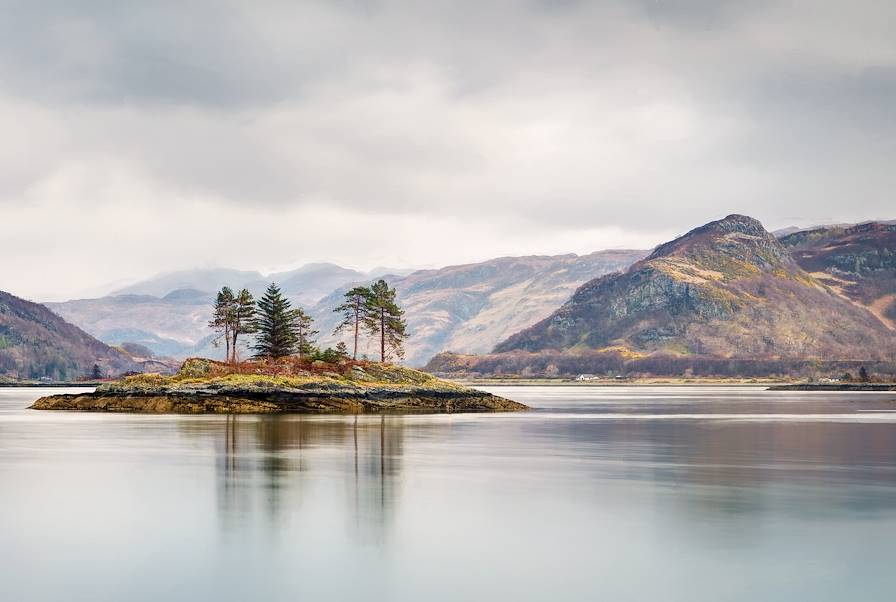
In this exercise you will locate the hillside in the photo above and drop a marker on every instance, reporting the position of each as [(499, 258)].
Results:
[(469, 308), (727, 289), (857, 262), (35, 343)]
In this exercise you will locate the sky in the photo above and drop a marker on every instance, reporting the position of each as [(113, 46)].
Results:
[(144, 137)]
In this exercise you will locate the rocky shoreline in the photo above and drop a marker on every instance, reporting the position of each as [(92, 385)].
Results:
[(835, 387), (317, 401), (207, 387)]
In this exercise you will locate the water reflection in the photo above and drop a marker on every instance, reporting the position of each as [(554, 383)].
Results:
[(261, 463), (714, 493)]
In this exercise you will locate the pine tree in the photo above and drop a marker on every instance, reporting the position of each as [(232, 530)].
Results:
[(222, 317), (275, 325), (863, 375), (305, 333), (342, 350), (383, 319), (354, 313), (242, 319)]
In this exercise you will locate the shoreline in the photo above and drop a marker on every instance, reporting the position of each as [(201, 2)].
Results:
[(836, 387)]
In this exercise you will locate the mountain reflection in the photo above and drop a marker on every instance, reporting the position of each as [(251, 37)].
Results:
[(261, 463)]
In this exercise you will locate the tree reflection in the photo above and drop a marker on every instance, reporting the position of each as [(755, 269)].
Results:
[(264, 465)]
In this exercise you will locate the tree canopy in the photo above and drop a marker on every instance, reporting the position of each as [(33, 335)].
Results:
[(275, 325)]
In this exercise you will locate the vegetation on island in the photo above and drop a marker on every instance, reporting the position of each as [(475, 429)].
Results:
[(281, 330), (285, 384)]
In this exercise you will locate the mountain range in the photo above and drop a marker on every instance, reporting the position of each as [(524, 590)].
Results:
[(726, 290), (467, 308)]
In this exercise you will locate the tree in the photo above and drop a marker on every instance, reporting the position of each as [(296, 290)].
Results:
[(242, 319), (275, 325), (97, 372), (863, 375), (222, 317), (383, 319), (305, 333), (341, 350), (354, 313)]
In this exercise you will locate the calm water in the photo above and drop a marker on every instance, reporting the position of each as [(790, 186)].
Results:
[(639, 493)]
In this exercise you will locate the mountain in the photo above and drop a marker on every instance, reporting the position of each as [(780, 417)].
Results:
[(468, 308), (310, 283), (857, 262), (208, 280), (35, 343), (174, 325), (305, 285), (727, 289)]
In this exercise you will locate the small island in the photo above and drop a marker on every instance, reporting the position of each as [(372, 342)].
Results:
[(289, 372), (286, 385)]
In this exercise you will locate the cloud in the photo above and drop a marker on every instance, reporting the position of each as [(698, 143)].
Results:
[(561, 119)]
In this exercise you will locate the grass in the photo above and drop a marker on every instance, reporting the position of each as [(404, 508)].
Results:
[(288, 372)]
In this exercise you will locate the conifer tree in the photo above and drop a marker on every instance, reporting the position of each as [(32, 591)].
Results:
[(242, 319), (354, 313), (275, 325), (222, 317), (305, 333), (383, 319)]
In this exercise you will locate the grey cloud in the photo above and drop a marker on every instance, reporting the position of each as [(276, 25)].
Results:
[(646, 115)]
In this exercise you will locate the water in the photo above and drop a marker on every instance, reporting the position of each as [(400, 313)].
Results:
[(629, 493)]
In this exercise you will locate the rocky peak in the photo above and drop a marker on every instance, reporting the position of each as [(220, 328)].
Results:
[(736, 238)]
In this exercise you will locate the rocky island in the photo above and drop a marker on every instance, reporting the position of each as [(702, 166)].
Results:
[(288, 385)]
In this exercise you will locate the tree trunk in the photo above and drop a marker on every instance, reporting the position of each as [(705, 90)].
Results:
[(382, 336), (357, 324), (227, 342)]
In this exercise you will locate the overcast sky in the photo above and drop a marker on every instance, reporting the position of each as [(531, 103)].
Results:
[(142, 137)]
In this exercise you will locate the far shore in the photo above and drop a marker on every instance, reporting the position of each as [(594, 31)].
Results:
[(609, 382)]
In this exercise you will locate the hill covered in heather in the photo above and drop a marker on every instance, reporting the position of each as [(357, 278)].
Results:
[(35, 343), (726, 290)]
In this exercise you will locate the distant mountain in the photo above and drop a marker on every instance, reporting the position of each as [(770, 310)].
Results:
[(309, 283), (858, 262), (305, 285), (35, 343), (728, 289), (206, 280), (175, 325), (469, 308)]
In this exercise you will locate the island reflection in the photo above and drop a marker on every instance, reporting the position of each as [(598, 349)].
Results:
[(261, 464)]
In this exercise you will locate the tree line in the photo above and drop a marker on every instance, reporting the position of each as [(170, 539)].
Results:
[(281, 330)]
